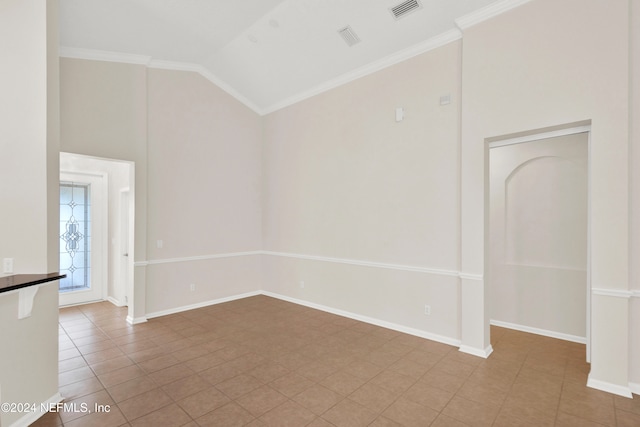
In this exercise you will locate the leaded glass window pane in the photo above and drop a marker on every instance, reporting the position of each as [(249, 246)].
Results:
[(75, 236)]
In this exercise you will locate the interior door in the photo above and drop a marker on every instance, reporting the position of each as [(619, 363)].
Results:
[(82, 231)]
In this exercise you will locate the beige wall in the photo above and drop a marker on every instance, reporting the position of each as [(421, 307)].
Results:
[(103, 113), (204, 191), (197, 154), (343, 179), (29, 146), (543, 65), (634, 170)]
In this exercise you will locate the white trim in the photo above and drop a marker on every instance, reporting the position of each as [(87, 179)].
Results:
[(175, 66), (487, 12), (609, 387), (469, 276), (635, 294), (197, 258), (102, 55), (635, 388), (149, 62), (31, 417), (366, 319), (539, 136), (476, 352), (538, 331), (115, 302), (393, 59), (618, 293), (360, 263), (366, 263), (201, 304), (136, 320)]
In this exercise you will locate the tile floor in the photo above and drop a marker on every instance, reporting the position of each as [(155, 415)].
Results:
[(260, 361)]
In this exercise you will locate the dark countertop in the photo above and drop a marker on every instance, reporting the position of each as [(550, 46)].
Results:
[(17, 281)]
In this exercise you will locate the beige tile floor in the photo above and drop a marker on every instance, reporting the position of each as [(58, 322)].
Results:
[(260, 361)]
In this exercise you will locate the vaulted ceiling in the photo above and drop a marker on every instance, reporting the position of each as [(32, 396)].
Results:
[(268, 53)]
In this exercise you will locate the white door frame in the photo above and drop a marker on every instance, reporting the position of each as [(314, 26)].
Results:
[(125, 237), (121, 177), (552, 134), (99, 232)]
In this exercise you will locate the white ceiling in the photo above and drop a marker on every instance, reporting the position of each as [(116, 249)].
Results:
[(266, 52)]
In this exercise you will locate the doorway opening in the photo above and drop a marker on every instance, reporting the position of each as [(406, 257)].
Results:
[(96, 238), (539, 253)]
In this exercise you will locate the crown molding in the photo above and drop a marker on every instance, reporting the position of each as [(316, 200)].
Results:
[(101, 55), (393, 59), (487, 12), (149, 62), (204, 72), (388, 61)]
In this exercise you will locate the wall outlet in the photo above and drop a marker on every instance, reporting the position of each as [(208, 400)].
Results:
[(192, 287), (159, 244), (7, 265), (302, 284), (427, 310)]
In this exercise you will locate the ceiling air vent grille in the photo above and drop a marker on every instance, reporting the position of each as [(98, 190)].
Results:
[(405, 8), (349, 36)]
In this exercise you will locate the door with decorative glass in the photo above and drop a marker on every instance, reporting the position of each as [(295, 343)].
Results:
[(81, 237)]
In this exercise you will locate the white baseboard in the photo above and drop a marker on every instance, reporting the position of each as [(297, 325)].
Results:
[(609, 387), (136, 320), (537, 331), (31, 417), (476, 352), (366, 319), (200, 304), (635, 388), (115, 302)]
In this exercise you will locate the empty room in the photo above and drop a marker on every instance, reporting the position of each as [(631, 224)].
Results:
[(323, 213)]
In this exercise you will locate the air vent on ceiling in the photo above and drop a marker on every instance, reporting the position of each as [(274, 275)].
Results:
[(405, 8), (349, 36)]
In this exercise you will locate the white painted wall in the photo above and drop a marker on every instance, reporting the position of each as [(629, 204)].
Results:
[(538, 235), (28, 223)]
